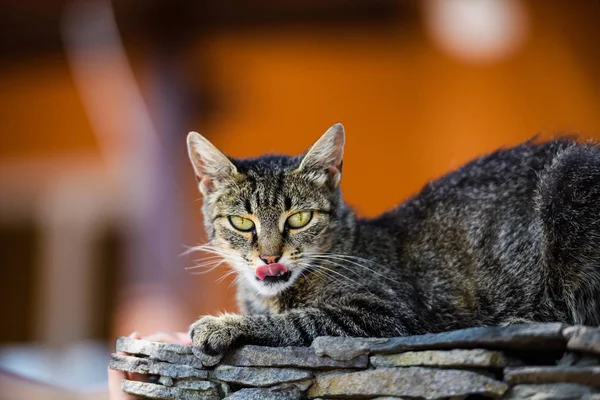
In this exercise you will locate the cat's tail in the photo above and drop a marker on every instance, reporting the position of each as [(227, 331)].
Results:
[(568, 203)]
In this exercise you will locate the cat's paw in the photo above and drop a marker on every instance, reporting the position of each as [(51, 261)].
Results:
[(213, 336)]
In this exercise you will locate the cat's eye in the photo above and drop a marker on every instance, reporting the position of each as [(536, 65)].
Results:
[(241, 223), (299, 220)]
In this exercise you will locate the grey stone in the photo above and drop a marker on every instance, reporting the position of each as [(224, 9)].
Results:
[(154, 391), (343, 348), (556, 391), (583, 338), (148, 366), (579, 359), (539, 336), (445, 358), (584, 375), (197, 384), (225, 389), (302, 385), (289, 393), (302, 357), (166, 381), (410, 382), (259, 377), (173, 353)]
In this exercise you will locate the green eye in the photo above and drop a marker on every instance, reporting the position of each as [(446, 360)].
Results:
[(300, 219), (241, 223)]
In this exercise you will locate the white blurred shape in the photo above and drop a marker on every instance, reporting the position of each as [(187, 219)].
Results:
[(477, 30)]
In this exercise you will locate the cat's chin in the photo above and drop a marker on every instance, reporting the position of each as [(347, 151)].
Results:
[(271, 287)]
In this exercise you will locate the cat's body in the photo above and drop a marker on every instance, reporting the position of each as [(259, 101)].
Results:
[(510, 237)]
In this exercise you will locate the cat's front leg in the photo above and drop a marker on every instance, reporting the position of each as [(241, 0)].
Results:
[(214, 336)]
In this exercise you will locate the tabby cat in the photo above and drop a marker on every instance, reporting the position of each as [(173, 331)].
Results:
[(512, 236)]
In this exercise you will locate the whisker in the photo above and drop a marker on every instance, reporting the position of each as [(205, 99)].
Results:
[(330, 257), (212, 268), (222, 278), (329, 270), (233, 281)]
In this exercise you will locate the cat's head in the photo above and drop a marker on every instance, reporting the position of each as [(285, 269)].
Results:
[(271, 217)]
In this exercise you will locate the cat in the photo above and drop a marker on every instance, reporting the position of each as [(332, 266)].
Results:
[(513, 236)]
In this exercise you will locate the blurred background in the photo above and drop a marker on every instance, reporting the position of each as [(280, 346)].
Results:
[(98, 200)]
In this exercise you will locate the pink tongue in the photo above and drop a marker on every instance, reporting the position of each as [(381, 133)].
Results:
[(269, 270)]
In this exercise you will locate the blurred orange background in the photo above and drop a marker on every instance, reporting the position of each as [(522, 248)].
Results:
[(98, 201)]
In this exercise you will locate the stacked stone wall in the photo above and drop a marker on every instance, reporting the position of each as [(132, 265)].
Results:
[(541, 361)]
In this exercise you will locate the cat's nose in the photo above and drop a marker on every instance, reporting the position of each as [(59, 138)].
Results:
[(270, 259)]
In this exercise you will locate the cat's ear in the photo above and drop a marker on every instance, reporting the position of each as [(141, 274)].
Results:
[(211, 166), (325, 158)]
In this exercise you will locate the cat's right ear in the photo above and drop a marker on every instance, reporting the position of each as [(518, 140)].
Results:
[(212, 167), (324, 159)]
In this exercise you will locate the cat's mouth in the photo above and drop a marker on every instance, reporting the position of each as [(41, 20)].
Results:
[(281, 277), (273, 273)]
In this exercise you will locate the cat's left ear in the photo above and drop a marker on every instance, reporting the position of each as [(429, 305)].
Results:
[(325, 158)]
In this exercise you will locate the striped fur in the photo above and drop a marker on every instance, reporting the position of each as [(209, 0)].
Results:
[(511, 236)]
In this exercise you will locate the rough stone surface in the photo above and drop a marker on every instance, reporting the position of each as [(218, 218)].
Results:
[(166, 381), (148, 366), (477, 358), (417, 382), (154, 391), (226, 389), (197, 385), (528, 337), (290, 393), (302, 385), (343, 348), (579, 359), (387, 398), (554, 362), (583, 338), (173, 353), (303, 357), (555, 391), (584, 375), (259, 377)]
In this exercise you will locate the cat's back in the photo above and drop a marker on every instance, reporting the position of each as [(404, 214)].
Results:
[(471, 238), (504, 174), (502, 179)]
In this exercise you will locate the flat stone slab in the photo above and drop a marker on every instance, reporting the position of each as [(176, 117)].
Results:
[(475, 358), (343, 348), (172, 353), (147, 366), (584, 375), (549, 391), (583, 338), (411, 382), (196, 384), (302, 357), (529, 337), (289, 393), (154, 391), (259, 377)]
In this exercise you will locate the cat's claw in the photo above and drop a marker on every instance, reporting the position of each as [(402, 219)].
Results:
[(212, 337)]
